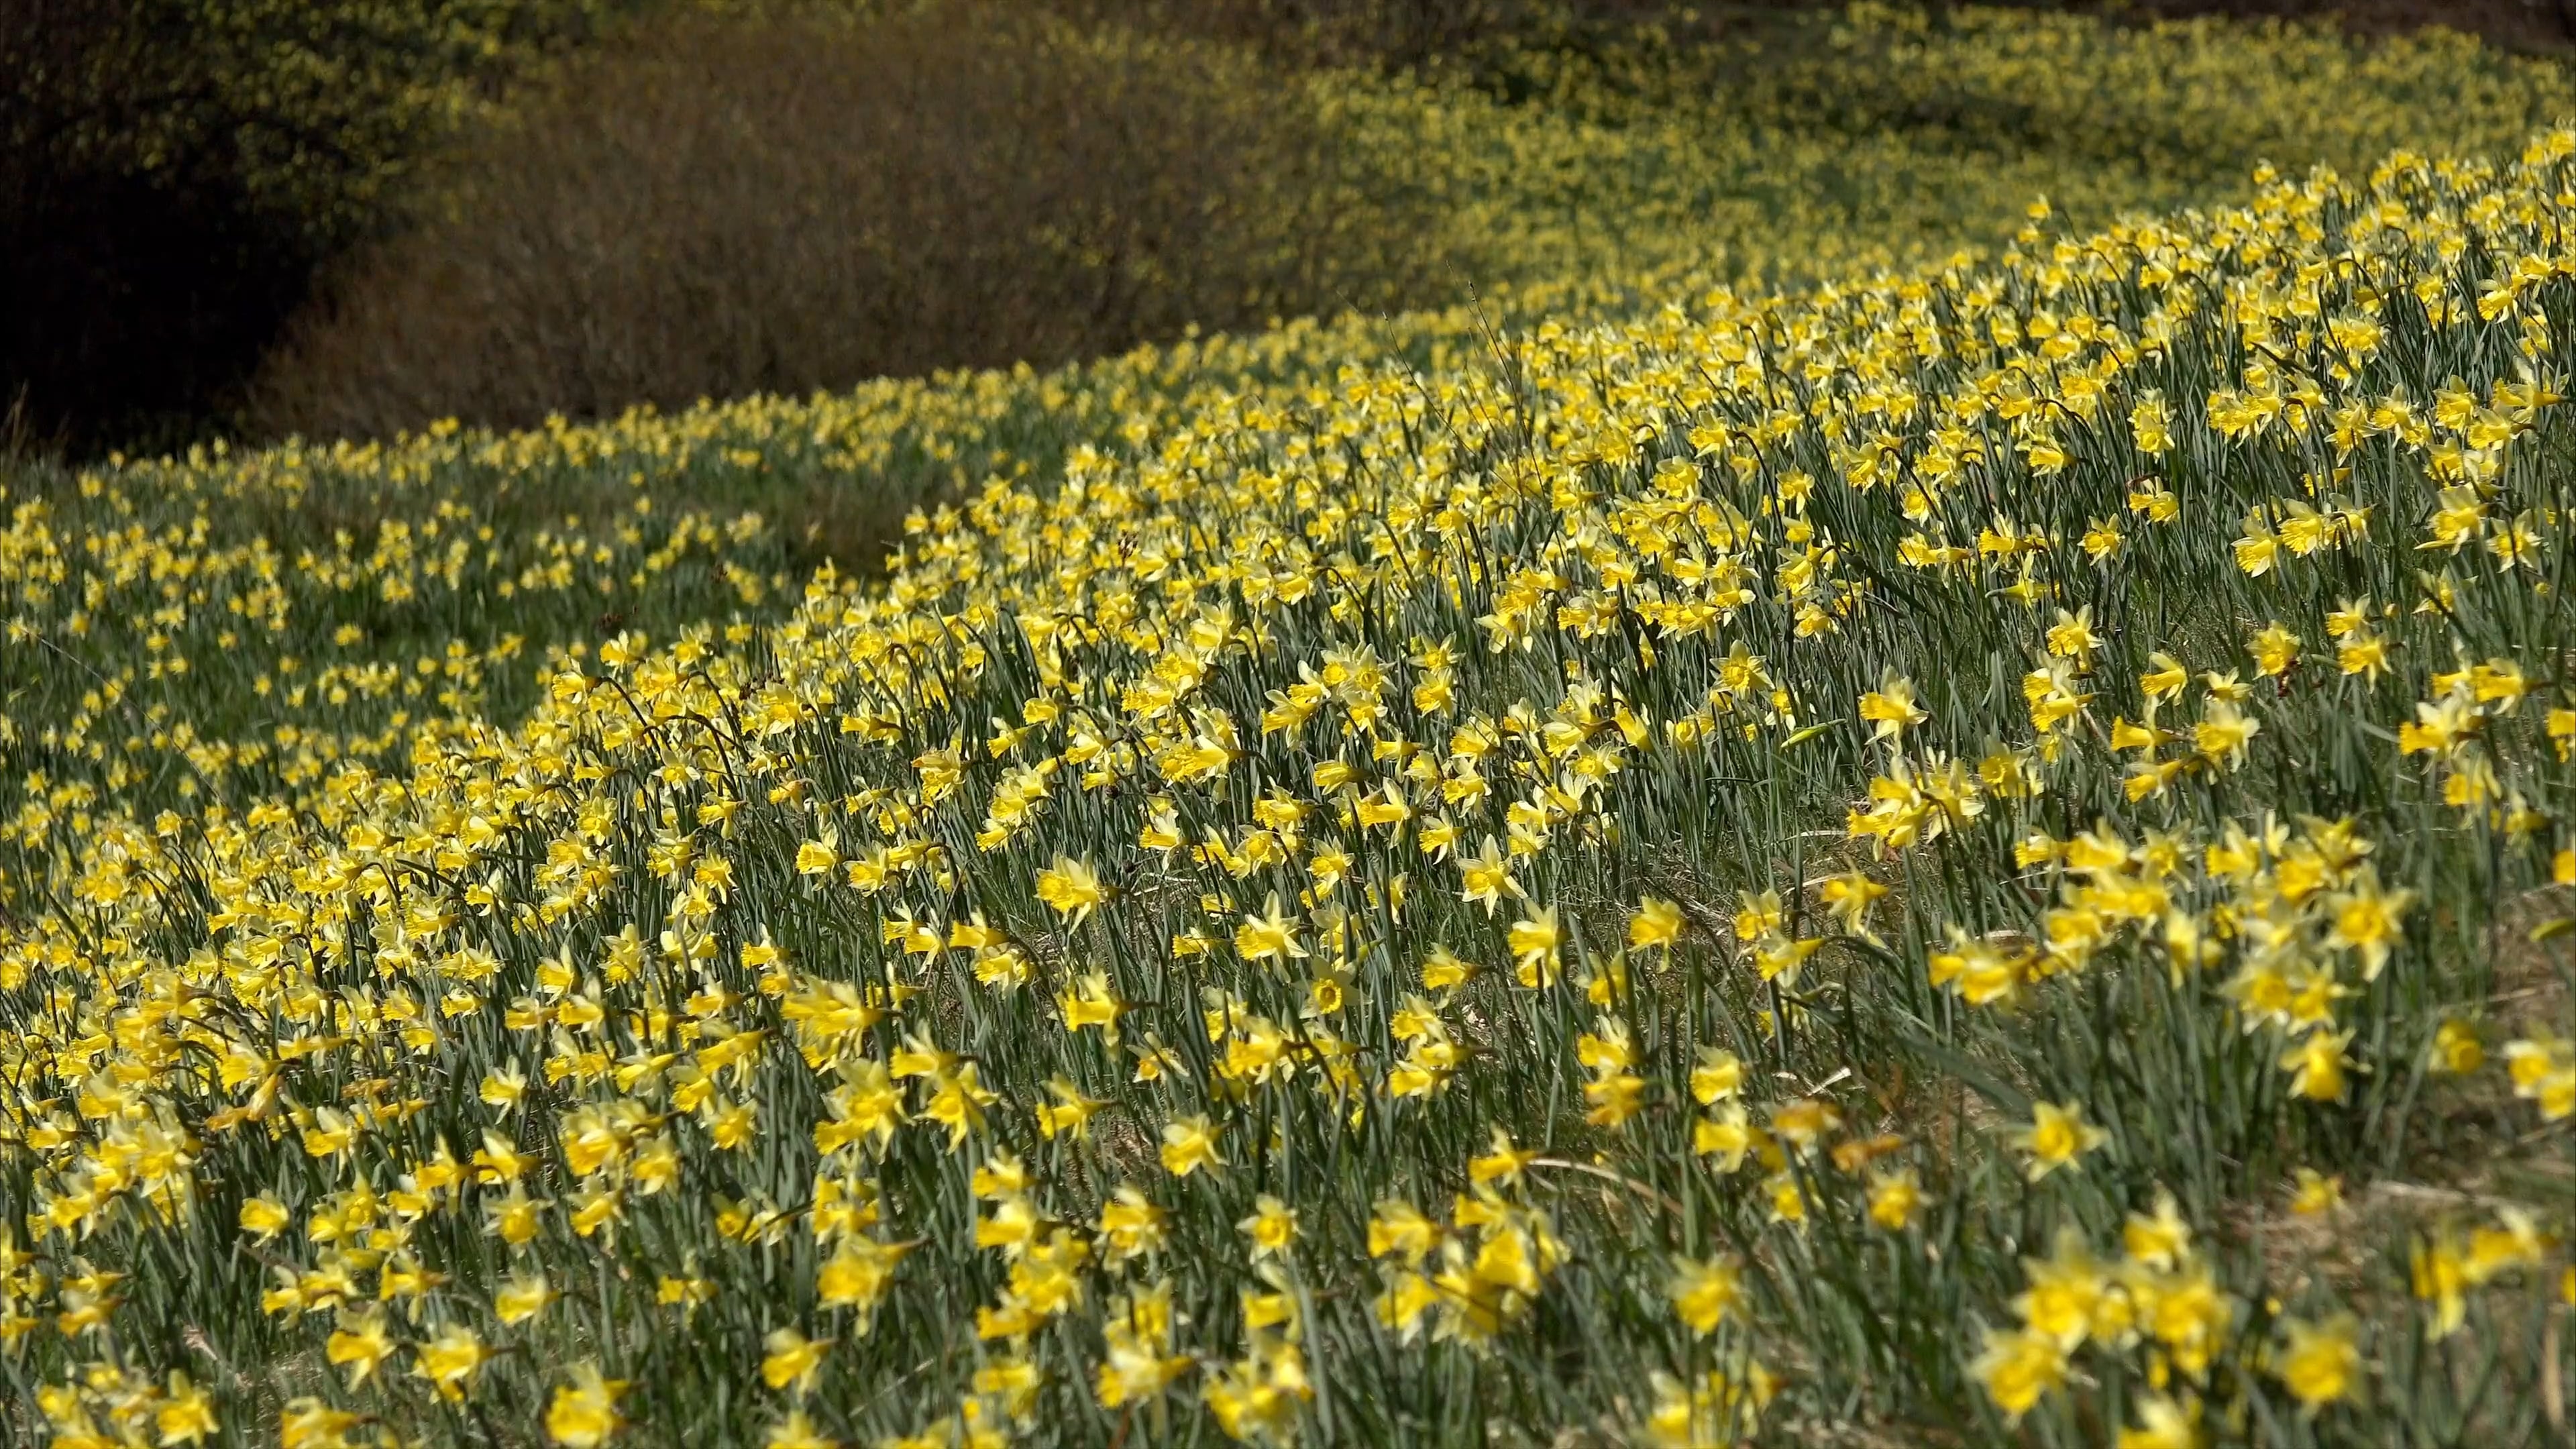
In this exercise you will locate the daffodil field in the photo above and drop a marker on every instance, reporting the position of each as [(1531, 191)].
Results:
[(1978, 850)]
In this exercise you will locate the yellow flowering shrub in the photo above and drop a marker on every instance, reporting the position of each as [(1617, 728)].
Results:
[(1970, 851)]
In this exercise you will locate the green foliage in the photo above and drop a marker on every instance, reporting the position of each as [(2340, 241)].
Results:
[(317, 111), (172, 172)]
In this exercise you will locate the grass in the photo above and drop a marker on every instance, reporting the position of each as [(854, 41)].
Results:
[(1972, 853)]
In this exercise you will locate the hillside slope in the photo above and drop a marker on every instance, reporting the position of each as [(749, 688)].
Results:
[(1983, 849)]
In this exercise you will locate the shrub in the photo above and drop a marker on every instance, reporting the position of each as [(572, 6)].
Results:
[(780, 202)]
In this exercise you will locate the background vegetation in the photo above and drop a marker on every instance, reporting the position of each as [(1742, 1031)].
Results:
[(188, 182), (173, 173), (719, 205)]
